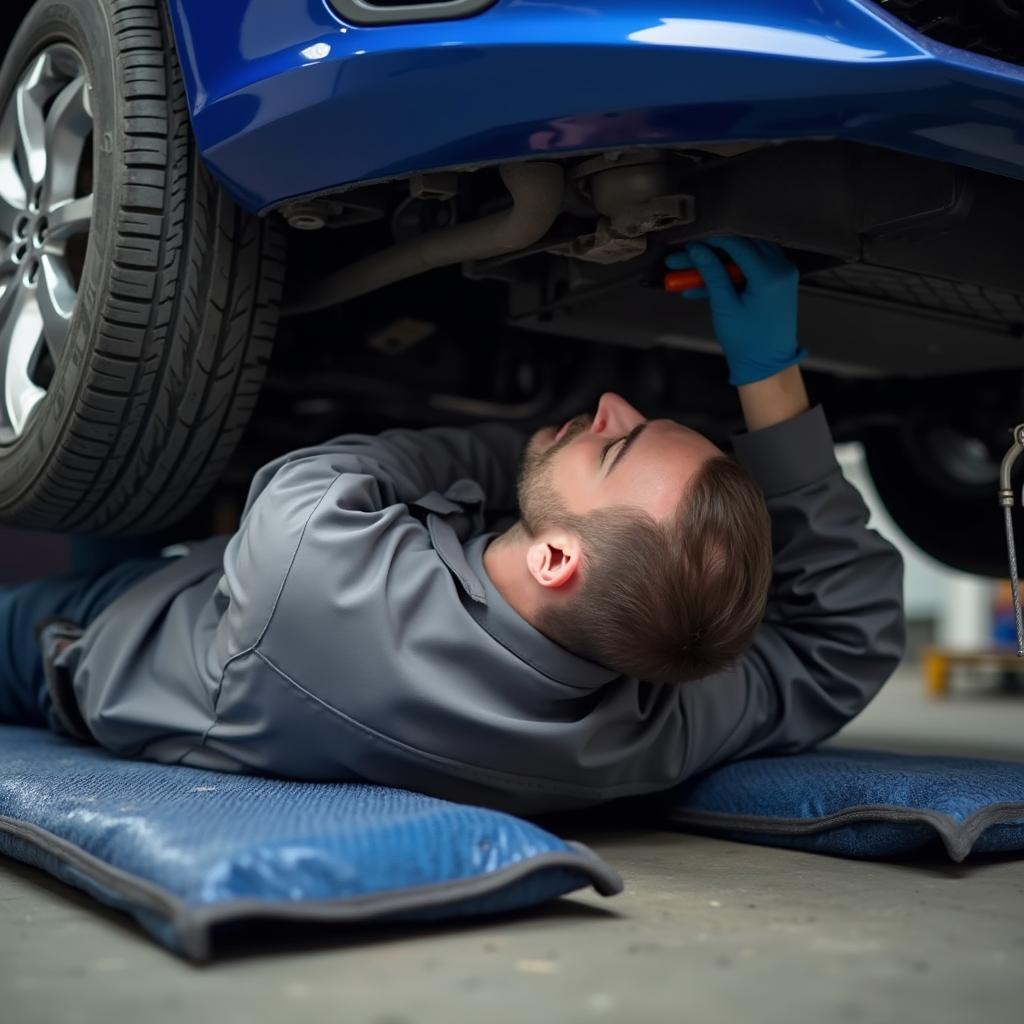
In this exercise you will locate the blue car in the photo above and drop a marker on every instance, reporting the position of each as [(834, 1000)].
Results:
[(455, 209)]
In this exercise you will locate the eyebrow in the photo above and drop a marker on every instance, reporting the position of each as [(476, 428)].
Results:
[(630, 439)]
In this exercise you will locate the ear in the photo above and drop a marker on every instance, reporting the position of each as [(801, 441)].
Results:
[(554, 559)]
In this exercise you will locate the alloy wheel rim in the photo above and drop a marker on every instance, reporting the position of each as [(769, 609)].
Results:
[(46, 207)]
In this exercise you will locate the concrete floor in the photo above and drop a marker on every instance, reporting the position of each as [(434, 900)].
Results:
[(706, 931)]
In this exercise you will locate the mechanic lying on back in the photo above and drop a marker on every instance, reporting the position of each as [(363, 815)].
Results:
[(614, 641)]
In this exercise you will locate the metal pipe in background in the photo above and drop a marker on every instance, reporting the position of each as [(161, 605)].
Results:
[(536, 190), (1006, 468), (1006, 501)]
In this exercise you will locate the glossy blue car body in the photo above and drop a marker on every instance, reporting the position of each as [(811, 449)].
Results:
[(287, 100)]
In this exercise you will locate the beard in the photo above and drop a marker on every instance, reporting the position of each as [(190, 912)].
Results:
[(540, 505)]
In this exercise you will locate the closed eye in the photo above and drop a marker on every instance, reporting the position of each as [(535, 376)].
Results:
[(608, 447), (628, 441)]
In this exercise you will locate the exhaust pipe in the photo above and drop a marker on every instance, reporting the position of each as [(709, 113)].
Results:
[(536, 191)]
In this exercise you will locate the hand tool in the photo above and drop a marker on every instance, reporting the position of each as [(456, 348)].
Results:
[(684, 280)]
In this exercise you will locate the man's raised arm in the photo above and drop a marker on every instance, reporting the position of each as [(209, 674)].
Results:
[(833, 631)]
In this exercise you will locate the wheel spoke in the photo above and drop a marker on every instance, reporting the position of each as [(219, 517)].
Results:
[(71, 217), (21, 331), (56, 297), (30, 128), (67, 126), (8, 214), (7, 264), (12, 190), (8, 292), (43, 134)]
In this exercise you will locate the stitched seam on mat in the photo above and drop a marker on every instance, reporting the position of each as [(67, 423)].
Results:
[(193, 923), (850, 815), (1004, 813), (415, 897), (489, 774), (942, 823), (148, 894)]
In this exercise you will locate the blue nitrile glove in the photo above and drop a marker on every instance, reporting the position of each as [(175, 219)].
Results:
[(756, 327)]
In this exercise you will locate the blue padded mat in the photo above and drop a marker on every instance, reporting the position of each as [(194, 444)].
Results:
[(860, 803), (183, 850)]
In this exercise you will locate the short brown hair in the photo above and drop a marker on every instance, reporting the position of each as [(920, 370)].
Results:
[(674, 601)]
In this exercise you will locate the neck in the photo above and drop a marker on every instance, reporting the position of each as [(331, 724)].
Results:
[(505, 563)]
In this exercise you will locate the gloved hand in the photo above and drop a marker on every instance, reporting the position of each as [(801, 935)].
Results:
[(756, 327)]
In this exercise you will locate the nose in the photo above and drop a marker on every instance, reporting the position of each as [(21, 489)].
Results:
[(615, 415)]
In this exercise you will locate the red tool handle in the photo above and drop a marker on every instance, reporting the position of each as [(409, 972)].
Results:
[(684, 280)]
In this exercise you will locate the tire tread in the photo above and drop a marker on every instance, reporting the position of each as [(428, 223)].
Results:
[(186, 324)]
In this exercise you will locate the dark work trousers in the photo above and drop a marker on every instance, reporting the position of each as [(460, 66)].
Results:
[(78, 598)]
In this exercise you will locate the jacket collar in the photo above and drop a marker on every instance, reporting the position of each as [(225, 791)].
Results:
[(514, 633)]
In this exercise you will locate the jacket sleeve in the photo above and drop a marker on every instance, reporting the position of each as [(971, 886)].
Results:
[(833, 631), (371, 476), (407, 464)]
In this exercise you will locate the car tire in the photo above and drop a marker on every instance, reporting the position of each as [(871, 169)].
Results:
[(940, 489), (135, 330)]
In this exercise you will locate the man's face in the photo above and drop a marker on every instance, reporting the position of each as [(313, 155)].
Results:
[(611, 457)]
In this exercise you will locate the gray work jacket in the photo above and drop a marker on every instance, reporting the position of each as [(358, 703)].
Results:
[(348, 630)]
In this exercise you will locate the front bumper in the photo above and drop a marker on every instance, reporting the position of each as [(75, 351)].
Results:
[(287, 100)]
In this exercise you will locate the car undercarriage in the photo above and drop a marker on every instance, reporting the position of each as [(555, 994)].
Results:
[(482, 262), (911, 307)]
